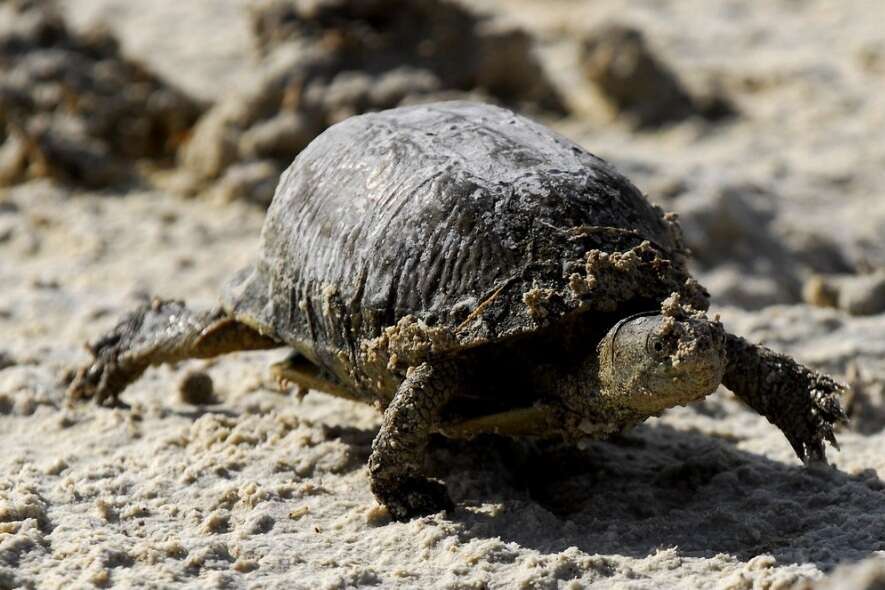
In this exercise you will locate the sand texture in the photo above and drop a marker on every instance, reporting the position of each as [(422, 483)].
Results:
[(782, 179)]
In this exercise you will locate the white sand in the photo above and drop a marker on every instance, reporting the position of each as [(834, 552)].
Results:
[(261, 491)]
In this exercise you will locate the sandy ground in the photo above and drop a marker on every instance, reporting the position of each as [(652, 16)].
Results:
[(260, 490)]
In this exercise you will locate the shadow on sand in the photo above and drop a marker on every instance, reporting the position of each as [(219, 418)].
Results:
[(660, 487)]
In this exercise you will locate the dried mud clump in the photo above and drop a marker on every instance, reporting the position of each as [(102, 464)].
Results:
[(690, 344), (73, 108), (326, 60), (642, 272), (197, 388), (409, 341), (638, 85)]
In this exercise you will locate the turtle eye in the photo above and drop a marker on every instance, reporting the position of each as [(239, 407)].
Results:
[(655, 345)]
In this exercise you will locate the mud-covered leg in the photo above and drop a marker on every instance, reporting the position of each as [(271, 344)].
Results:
[(803, 403), (397, 459), (155, 333)]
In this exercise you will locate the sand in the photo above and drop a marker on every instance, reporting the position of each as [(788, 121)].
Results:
[(261, 490)]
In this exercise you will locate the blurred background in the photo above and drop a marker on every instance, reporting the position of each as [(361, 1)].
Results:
[(141, 141), (761, 128)]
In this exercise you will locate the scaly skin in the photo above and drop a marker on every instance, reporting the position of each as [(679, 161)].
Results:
[(396, 463), (159, 332), (804, 404)]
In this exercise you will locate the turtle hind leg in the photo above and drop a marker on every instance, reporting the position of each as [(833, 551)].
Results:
[(804, 404), (159, 332)]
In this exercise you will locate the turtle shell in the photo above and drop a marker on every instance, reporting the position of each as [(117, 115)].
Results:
[(444, 226)]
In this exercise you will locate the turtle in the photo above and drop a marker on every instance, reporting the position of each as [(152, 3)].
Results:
[(469, 271)]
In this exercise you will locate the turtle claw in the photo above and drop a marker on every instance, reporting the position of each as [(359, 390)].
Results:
[(815, 454), (815, 424), (809, 452), (99, 380), (113, 366), (807, 410), (826, 399), (831, 438)]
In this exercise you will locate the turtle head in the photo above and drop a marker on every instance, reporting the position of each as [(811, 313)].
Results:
[(649, 362)]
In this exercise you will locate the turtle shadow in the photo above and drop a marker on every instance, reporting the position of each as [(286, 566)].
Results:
[(660, 487)]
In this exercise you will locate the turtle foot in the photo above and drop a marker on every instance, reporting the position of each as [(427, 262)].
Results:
[(109, 372), (413, 497), (812, 423)]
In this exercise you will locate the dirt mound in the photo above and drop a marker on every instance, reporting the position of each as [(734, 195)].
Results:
[(325, 61), (73, 108), (746, 247), (439, 40), (638, 84)]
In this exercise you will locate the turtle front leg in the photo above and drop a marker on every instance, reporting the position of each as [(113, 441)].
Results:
[(161, 331), (803, 403), (397, 462)]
